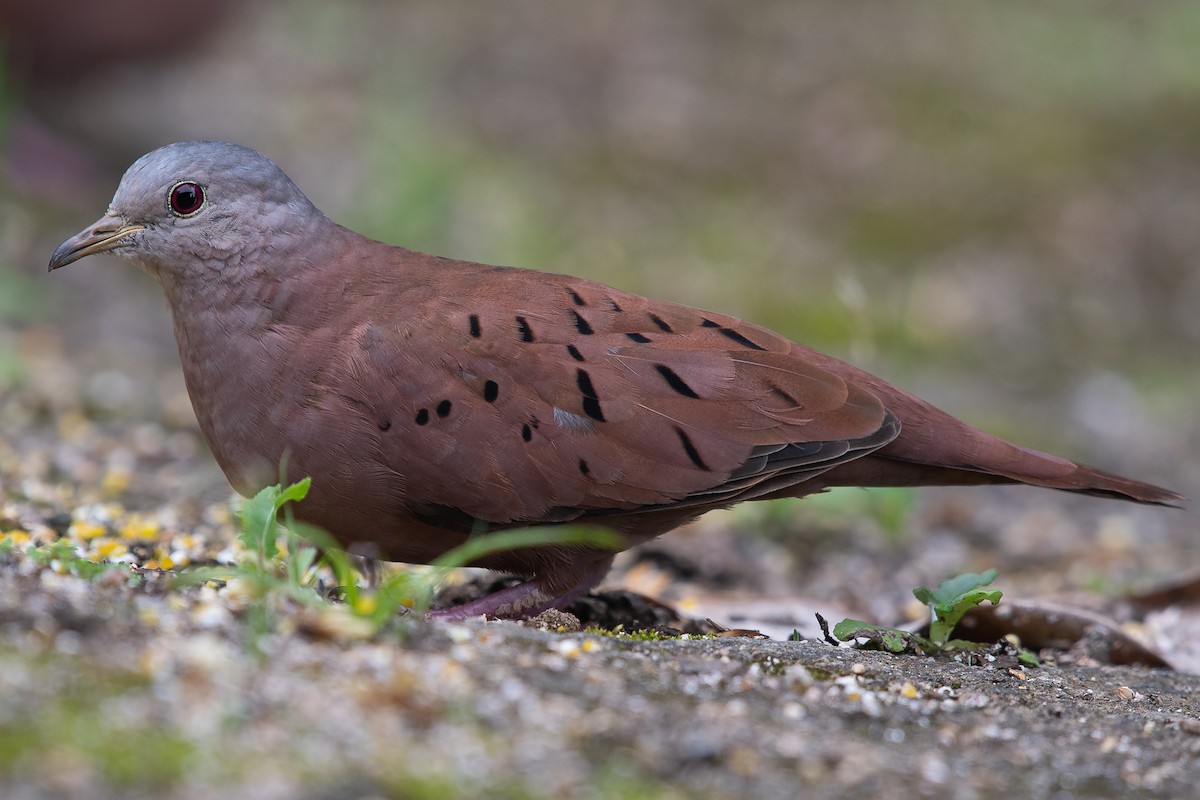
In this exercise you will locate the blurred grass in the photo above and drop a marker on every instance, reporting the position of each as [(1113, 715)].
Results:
[(442, 192), (1025, 106)]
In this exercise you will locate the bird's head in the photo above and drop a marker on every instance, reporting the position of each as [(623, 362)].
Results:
[(189, 208)]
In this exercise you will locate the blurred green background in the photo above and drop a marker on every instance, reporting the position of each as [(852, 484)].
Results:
[(994, 205)]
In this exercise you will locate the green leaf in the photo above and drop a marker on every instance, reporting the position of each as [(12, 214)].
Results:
[(72, 561), (294, 493), (893, 640), (1027, 658), (950, 590), (846, 629), (260, 519), (485, 544), (953, 598), (256, 514)]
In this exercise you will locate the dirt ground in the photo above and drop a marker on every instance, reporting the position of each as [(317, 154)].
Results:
[(501, 710), (994, 207)]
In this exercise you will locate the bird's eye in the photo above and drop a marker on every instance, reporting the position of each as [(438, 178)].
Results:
[(185, 198)]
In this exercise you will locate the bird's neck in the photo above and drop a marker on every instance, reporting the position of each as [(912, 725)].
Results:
[(245, 342)]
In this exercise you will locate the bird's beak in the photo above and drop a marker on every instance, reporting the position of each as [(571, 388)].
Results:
[(106, 234)]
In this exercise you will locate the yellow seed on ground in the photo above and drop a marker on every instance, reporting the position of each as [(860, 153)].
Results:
[(109, 548), (86, 530), (18, 538), (366, 603), (138, 527)]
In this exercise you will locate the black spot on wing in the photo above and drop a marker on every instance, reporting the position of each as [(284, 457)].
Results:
[(591, 401), (732, 335), (582, 325), (591, 407), (675, 382), (475, 330), (639, 338), (524, 329), (690, 449), (661, 323), (584, 381)]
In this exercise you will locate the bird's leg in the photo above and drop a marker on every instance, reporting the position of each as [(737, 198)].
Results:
[(367, 556), (522, 601)]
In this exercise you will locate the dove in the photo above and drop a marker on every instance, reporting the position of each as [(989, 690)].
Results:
[(431, 399)]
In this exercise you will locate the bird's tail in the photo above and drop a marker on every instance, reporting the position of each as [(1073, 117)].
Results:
[(882, 469), (936, 449)]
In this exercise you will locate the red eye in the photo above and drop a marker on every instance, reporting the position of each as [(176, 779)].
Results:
[(186, 198)]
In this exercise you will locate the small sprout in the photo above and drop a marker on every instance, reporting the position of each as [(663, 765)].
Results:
[(891, 639), (947, 604), (1026, 658), (952, 599), (63, 557)]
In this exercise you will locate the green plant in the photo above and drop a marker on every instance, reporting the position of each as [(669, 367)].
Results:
[(947, 604), (63, 556), (294, 571), (952, 599)]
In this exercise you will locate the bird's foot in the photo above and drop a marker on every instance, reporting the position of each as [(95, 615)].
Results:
[(522, 601)]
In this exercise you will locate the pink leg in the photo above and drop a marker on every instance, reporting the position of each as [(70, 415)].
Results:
[(517, 602)]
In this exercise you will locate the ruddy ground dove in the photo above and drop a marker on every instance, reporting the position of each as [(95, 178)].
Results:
[(430, 399)]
